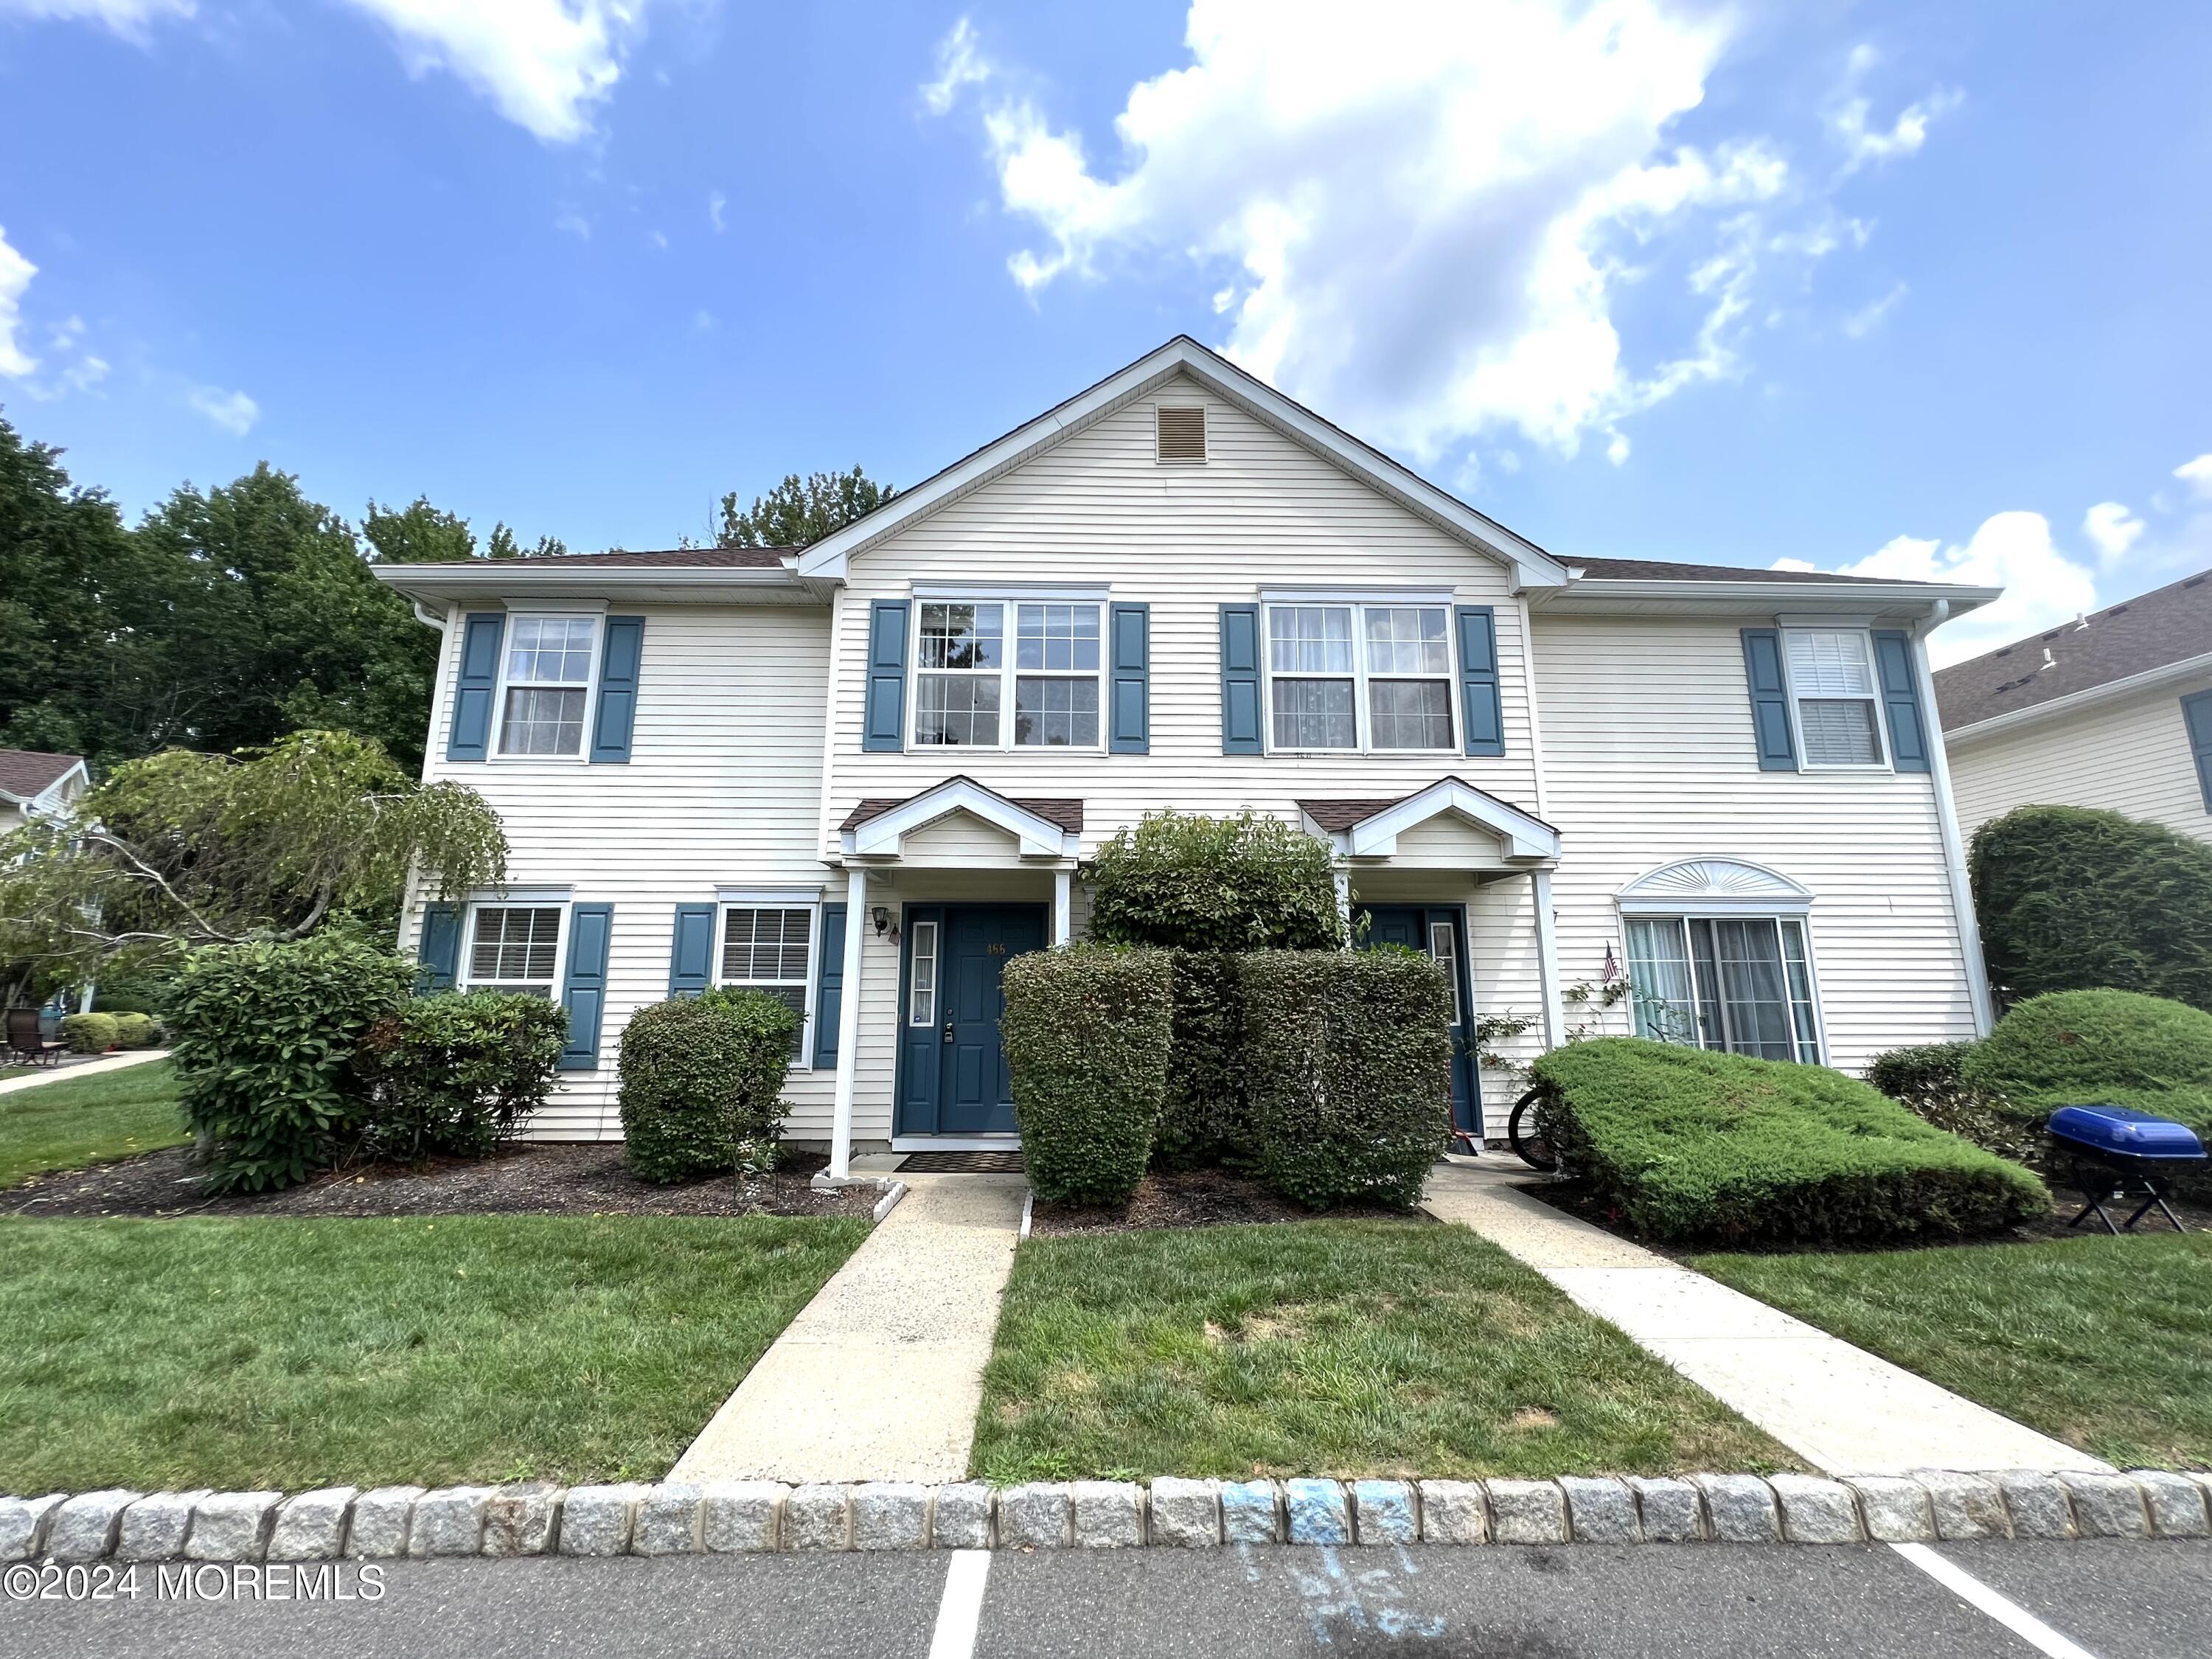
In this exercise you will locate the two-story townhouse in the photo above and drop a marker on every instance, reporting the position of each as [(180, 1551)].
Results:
[(863, 773), (2112, 709)]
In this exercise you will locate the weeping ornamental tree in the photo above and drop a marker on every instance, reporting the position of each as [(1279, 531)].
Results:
[(180, 850)]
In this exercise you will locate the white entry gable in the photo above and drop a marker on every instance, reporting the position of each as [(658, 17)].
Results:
[(1370, 830), (880, 829)]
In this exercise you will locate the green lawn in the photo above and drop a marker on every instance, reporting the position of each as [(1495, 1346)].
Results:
[(292, 1353), (2106, 1343), (87, 1119), (1325, 1348)]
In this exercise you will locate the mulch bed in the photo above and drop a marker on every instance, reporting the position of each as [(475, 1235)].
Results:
[(1193, 1197), (528, 1179)]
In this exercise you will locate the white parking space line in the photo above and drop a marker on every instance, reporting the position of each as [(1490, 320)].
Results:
[(962, 1610), (1972, 1591)]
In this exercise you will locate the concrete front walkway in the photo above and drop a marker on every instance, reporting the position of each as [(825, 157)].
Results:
[(1839, 1407), (32, 1079), (880, 1376)]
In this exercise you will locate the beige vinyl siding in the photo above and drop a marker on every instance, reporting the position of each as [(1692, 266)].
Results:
[(2130, 755), (1648, 751), (721, 790)]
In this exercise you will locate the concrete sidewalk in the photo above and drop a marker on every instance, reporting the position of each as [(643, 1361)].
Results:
[(88, 1068), (1839, 1407), (880, 1376)]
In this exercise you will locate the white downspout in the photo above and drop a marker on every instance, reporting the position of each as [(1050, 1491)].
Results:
[(1946, 820), (848, 1024)]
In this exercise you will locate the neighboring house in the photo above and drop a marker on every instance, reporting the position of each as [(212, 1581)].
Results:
[(2111, 709), (34, 785), (862, 775)]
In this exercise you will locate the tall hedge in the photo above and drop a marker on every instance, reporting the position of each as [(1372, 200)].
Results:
[(1347, 1056), (1087, 1029), (1246, 883), (2075, 899), (1206, 1120), (702, 1082)]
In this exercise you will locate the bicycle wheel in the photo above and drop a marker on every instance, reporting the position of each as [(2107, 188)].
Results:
[(1525, 1135)]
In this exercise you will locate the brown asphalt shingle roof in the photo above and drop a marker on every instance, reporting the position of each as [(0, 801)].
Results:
[(1658, 570), (2169, 624), (722, 558), (1066, 813), (25, 772)]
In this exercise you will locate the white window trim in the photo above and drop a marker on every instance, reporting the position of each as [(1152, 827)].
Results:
[(591, 684), (803, 1061), (1805, 761), (1006, 599), (1363, 717), (1777, 914), (464, 977)]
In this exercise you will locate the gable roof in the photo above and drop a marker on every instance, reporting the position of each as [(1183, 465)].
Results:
[(28, 773), (2165, 629), (1532, 566), (1659, 570), (1368, 827)]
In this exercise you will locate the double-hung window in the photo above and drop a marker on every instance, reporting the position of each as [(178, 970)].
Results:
[(1359, 677), (1743, 984), (514, 948), (968, 682), (1833, 686), (771, 948), (546, 685)]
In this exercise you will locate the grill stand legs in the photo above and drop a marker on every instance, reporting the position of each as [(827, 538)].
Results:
[(2106, 1187)]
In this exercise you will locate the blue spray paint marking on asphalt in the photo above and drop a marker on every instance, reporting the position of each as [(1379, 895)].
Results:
[(1336, 1601)]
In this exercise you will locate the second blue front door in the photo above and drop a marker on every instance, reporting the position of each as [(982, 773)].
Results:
[(1438, 931), (952, 1069)]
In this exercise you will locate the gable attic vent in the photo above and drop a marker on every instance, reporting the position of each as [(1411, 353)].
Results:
[(1181, 434)]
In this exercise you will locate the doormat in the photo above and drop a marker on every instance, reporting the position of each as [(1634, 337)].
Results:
[(962, 1163)]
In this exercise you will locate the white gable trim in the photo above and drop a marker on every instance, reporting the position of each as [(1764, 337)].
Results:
[(43, 802), (1712, 886), (1526, 840), (1532, 567), (884, 835)]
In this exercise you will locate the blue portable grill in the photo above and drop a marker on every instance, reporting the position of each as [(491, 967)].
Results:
[(2111, 1146)]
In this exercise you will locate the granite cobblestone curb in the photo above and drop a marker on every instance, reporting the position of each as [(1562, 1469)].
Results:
[(718, 1518)]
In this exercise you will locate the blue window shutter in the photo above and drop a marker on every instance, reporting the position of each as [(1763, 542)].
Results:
[(1131, 733), (830, 986), (1769, 699), (1900, 697), (441, 951), (1478, 680), (691, 954), (885, 725), (622, 653), (1241, 731), (584, 994), (470, 736), (2197, 714)]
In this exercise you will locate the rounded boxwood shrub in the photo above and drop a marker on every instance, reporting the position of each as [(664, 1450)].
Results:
[(702, 1082), (1348, 1061), (457, 1074), (2071, 1047), (1246, 883), (264, 1036), (90, 1034), (135, 1030), (2071, 899), (1087, 1031)]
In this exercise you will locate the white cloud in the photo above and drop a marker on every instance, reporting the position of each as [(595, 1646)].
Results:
[(2197, 475), (545, 65), (234, 411), (15, 274), (2013, 550), (2113, 529), (128, 18), (1865, 144), (1425, 221), (715, 203), (1864, 321), (575, 223)]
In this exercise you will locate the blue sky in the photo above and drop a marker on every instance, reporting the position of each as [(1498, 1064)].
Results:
[(1881, 287)]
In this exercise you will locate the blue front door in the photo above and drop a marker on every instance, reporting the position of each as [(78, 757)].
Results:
[(952, 1069), (1439, 932)]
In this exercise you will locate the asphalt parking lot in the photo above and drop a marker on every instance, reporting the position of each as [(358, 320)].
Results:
[(2114, 1600)]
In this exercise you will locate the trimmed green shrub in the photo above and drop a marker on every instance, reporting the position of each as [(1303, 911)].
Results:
[(1688, 1144), (1206, 1120), (135, 1030), (1928, 1082), (1347, 1056), (1197, 884), (702, 1082), (457, 1074), (2071, 1047), (89, 1034), (2075, 899), (264, 1036), (1087, 1031)]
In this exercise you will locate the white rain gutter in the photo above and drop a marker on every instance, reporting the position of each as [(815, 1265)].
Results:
[(1946, 820)]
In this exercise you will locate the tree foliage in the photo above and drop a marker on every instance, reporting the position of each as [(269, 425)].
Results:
[(800, 510), (183, 849), (1246, 883)]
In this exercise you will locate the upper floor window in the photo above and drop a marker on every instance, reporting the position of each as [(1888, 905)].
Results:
[(1831, 683), (1359, 677), (516, 948), (968, 683), (546, 682)]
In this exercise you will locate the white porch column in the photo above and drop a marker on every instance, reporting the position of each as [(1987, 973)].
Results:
[(848, 1023), (1344, 899), (1063, 888), (1547, 957)]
